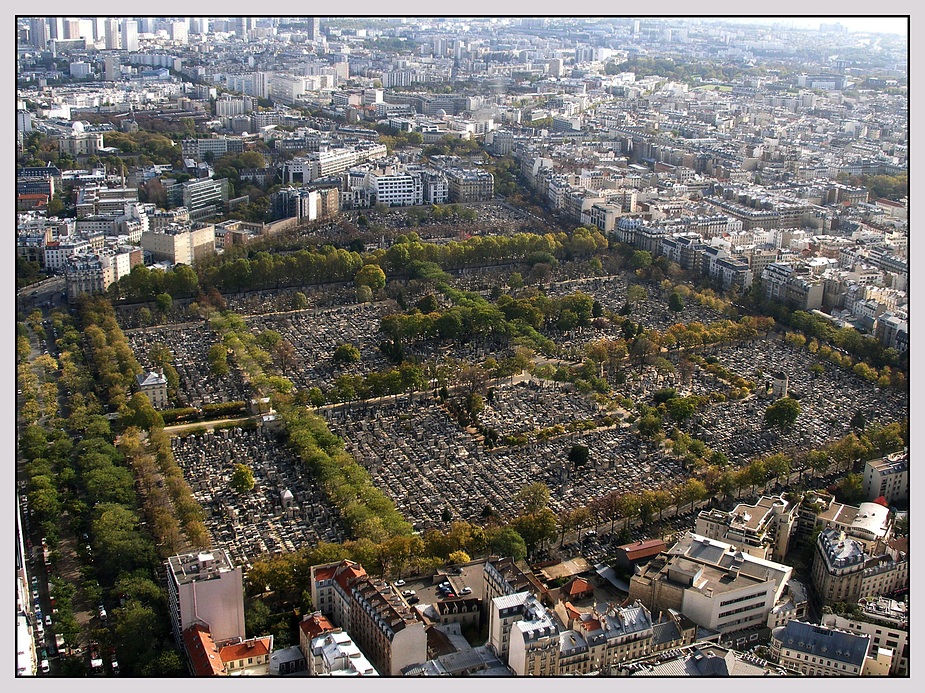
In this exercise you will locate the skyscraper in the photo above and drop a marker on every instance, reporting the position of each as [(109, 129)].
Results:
[(112, 34), (38, 33), (129, 35), (314, 28)]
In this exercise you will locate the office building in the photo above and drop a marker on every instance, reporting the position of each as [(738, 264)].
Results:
[(712, 583)]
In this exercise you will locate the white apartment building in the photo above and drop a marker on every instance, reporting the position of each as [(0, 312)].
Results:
[(395, 189), (57, 253), (887, 477), (534, 641), (762, 530), (335, 654)]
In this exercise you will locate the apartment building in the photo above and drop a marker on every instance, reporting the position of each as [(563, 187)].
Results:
[(469, 185), (335, 654), (763, 529), (206, 589), (887, 477), (885, 622), (216, 146), (58, 253), (395, 189), (305, 204), (205, 197), (179, 244), (598, 641), (820, 651), (504, 576), (527, 634), (845, 570), (312, 626), (385, 627), (93, 271), (374, 613)]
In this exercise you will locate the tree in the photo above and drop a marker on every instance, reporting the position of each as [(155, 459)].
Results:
[(534, 497), (346, 353), (299, 301), (371, 276), (242, 478), (516, 281), (782, 413), (217, 359), (636, 293), (675, 302), (850, 489), (641, 259), (457, 557), (508, 542), (536, 528), (164, 303)]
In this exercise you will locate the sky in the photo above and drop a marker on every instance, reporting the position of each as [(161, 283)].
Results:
[(880, 25)]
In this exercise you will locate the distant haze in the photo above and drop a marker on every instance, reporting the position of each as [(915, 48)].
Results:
[(875, 25)]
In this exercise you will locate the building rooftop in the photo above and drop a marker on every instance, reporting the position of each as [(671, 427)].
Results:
[(704, 660), (205, 565), (202, 653), (822, 642), (151, 379), (255, 647)]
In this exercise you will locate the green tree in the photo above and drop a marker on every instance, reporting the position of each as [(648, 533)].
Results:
[(534, 497), (507, 542), (299, 301), (163, 302), (782, 413), (675, 302), (217, 359), (242, 478), (346, 353), (371, 276), (536, 528), (636, 293), (850, 489)]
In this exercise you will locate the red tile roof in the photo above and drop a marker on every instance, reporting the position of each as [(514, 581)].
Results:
[(315, 625), (257, 647), (348, 575), (579, 586), (202, 653), (641, 549)]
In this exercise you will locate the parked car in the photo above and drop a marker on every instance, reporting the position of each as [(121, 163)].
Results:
[(413, 600), (102, 610), (45, 667), (48, 620), (408, 593), (398, 583), (466, 590)]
